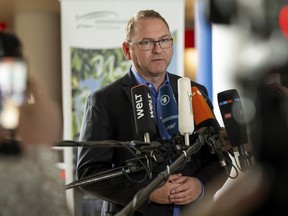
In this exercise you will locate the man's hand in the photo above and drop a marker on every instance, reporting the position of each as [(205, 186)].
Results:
[(40, 120), (224, 139), (161, 195), (178, 189), (189, 190)]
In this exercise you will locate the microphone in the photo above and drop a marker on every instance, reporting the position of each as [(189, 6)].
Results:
[(204, 116), (143, 111), (185, 121), (168, 109), (233, 117)]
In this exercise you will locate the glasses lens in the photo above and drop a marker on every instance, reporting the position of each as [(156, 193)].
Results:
[(149, 44), (166, 43), (146, 45)]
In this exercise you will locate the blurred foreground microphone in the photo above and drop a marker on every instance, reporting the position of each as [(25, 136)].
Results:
[(169, 109), (233, 118), (186, 121), (143, 111), (203, 116)]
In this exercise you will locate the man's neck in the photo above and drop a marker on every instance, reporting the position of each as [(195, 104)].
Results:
[(156, 79)]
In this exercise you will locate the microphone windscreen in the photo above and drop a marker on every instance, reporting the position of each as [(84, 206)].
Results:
[(233, 116), (206, 99), (203, 115), (143, 110), (168, 109), (201, 109), (185, 116)]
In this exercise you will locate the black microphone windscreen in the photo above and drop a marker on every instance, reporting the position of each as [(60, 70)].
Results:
[(143, 110), (233, 116)]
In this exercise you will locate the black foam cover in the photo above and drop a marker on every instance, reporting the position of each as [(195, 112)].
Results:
[(233, 116), (143, 110)]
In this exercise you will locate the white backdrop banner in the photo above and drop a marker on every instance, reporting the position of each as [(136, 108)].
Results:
[(92, 34)]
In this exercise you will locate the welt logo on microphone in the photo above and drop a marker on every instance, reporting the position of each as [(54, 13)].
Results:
[(139, 105)]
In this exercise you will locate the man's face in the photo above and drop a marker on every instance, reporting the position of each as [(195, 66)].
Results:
[(152, 62)]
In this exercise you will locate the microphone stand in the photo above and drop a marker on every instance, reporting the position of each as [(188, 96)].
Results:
[(104, 176), (244, 159), (136, 144), (144, 193), (213, 140), (110, 143), (139, 145)]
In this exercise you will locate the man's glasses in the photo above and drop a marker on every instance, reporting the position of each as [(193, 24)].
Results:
[(146, 45)]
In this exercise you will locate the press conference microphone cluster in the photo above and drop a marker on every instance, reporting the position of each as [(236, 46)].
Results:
[(170, 117), (233, 117)]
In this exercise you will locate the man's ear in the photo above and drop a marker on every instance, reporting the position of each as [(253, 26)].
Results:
[(126, 51)]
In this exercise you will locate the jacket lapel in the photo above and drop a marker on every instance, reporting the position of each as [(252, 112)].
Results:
[(128, 81), (173, 82)]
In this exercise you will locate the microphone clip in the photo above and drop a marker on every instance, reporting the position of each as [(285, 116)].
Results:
[(209, 135)]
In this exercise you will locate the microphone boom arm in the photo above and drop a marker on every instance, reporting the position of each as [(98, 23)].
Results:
[(104, 176), (140, 145)]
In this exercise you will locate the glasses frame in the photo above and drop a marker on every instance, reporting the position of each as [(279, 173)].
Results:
[(140, 43)]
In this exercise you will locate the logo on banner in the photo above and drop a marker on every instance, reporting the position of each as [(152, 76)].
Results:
[(99, 19)]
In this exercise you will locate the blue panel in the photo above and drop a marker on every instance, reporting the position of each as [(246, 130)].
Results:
[(203, 43)]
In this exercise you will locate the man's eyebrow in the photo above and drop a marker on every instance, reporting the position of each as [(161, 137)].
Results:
[(164, 36)]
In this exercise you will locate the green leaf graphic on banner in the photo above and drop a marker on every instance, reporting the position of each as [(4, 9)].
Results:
[(92, 69)]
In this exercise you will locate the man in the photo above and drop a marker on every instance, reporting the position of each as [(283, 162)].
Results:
[(109, 116)]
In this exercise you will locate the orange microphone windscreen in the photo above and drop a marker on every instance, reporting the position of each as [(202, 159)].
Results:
[(201, 110)]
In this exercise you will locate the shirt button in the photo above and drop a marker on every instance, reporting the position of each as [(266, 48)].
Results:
[(170, 208)]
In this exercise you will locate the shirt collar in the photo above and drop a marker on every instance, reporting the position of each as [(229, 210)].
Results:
[(141, 80)]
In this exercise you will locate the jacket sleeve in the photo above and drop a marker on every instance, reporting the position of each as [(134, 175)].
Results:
[(97, 126)]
